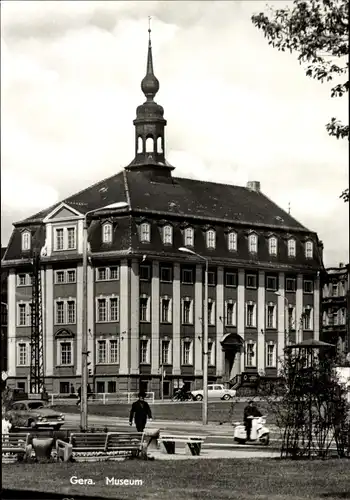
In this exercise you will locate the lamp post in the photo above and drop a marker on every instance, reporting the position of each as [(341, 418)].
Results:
[(84, 337), (205, 337), (286, 320)]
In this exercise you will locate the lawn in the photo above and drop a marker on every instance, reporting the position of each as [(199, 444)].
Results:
[(254, 479)]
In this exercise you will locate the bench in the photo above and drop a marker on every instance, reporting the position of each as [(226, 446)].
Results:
[(16, 443), (194, 443), (101, 446)]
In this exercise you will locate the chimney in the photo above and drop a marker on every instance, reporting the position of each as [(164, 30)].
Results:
[(254, 186), (341, 265)]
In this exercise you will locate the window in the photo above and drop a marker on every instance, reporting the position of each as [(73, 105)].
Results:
[(71, 311), (187, 352), (64, 387), (107, 351), (112, 387), (271, 283), (250, 353), (100, 387), (24, 279), (71, 276), (251, 280), (291, 248), (187, 311), (166, 274), (250, 315), (211, 278), (65, 276), (230, 313), (253, 243), (66, 353), (107, 309), (232, 241), (107, 273), (270, 355), (231, 279), (291, 317), (167, 235), (101, 351), (165, 313), (307, 318), (144, 351), (65, 238), (211, 353), (309, 249), (273, 245), (210, 237), (187, 276), (211, 312), (144, 309), (59, 312), (59, 277), (290, 284), (65, 311), (101, 274), (145, 272), (145, 232), (23, 354), (113, 351), (24, 314), (26, 241), (308, 286), (271, 315), (107, 231), (166, 352), (189, 237), (334, 289)]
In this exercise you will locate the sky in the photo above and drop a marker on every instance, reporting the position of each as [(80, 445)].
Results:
[(237, 109)]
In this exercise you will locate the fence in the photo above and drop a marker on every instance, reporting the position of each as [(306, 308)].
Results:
[(101, 398)]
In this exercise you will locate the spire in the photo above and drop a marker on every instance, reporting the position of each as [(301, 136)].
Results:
[(150, 84)]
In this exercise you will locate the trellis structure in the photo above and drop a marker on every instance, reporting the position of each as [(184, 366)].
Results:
[(36, 339)]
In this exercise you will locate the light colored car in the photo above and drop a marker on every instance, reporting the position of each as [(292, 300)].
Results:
[(33, 413), (215, 391)]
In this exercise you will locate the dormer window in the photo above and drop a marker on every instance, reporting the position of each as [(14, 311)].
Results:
[(210, 238), (26, 241), (273, 245), (107, 233), (291, 248), (145, 232), (253, 243), (232, 241), (309, 249), (167, 235), (189, 237)]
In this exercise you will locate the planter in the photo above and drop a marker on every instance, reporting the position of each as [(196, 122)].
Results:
[(42, 447)]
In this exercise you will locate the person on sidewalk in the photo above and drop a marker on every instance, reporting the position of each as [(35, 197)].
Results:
[(250, 411), (140, 411)]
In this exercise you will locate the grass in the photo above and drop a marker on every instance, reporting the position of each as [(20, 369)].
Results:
[(253, 479)]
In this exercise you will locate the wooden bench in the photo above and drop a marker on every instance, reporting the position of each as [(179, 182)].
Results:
[(194, 443), (16, 443), (101, 446)]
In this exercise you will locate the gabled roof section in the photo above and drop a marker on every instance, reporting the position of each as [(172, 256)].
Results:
[(62, 211)]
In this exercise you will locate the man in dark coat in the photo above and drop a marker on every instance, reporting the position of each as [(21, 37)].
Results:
[(250, 411), (140, 411)]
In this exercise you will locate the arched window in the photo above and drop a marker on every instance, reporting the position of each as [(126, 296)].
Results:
[(309, 249), (139, 145), (273, 245), (189, 237), (107, 233), (232, 240), (253, 243), (167, 235), (159, 145), (211, 240), (145, 232), (149, 145), (26, 240), (291, 248)]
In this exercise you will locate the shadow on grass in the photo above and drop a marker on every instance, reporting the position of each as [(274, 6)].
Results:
[(341, 494), (11, 494)]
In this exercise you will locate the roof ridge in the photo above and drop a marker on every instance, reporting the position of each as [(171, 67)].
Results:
[(92, 186), (211, 182)]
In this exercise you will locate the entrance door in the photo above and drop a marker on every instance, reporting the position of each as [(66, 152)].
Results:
[(232, 363), (143, 386)]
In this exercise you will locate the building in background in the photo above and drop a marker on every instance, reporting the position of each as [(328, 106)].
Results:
[(145, 296), (4, 340), (335, 308)]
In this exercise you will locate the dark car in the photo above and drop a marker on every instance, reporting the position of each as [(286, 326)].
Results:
[(35, 414)]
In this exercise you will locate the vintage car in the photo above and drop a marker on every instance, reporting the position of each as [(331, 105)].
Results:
[(33, 413), (215, 391)]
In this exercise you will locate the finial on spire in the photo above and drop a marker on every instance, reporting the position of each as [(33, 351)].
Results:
[(149, 31), (289, 207), (149, 84)]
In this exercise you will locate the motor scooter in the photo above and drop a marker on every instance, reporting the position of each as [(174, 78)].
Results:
[(259, 432)]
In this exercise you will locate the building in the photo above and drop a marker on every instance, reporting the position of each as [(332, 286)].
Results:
[(145, 296), (335, 308), (3, 352)]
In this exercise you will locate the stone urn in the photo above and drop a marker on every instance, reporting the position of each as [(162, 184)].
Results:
[(42, 447), (151, 439)]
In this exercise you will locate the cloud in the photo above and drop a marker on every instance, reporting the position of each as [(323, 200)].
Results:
[(237, 109)]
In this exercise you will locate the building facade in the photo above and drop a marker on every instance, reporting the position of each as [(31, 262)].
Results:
[(4, 340), (145, 296), (335, 308)]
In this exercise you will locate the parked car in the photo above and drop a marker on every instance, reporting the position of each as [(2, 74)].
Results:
[(215, 391), (34, 413)]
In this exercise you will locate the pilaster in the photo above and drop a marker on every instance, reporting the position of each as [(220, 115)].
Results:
[(261, 322), (11, 323), (282, 319), (176, 321), (241, 312), (198, 321), (220, 320), (299, 308), (90, 317), (155, 304), (80, 312), (50, 344), (134, 318), (124, 318), (316, 321)]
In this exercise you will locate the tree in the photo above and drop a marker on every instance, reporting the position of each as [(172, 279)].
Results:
[(319, 31)]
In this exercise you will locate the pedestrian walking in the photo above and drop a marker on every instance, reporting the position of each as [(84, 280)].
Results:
[(140, 412)]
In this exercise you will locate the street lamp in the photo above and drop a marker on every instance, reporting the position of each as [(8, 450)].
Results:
[(205, 337), (84, 339), (286, 318)]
